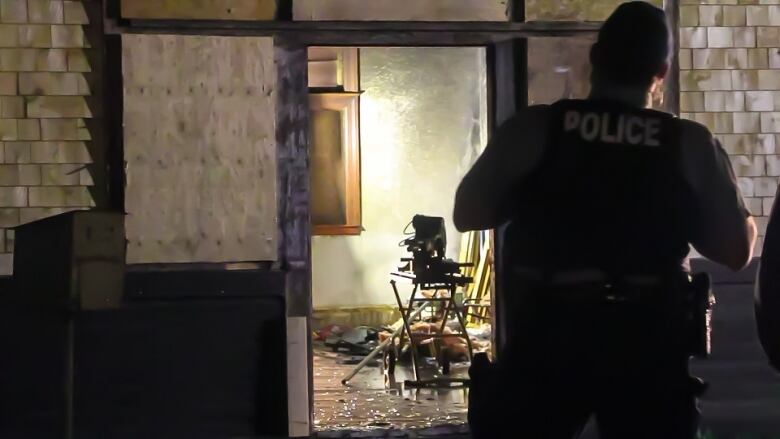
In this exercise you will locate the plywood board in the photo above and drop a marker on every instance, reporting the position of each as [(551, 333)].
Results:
[(200, 148), (400, 10), (200, 9), (574, 10)]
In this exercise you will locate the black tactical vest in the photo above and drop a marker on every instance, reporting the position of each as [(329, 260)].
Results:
[(609, 194)]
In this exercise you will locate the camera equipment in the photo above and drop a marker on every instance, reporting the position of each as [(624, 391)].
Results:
[(428, 247), (436, 280)]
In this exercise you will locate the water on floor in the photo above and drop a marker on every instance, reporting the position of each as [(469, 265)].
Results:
[(374, 404)]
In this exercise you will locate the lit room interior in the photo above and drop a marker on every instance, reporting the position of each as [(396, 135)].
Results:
[(384, 149)]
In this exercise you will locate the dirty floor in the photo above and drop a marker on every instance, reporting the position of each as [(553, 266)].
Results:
[(743, 401), (376, 405)]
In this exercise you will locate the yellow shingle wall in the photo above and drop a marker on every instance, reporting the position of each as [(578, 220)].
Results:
[(48, 100), (730, 81)]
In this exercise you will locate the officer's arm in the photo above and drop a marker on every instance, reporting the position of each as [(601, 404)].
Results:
[(724, 230), (515, 150)]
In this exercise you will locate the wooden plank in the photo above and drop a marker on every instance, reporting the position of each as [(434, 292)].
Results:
[(292, 158), (400, 10), (504, 93), (293, 218), (200, 9), (360, 33)]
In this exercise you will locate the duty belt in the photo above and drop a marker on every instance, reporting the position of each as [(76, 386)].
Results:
[(594, 285)]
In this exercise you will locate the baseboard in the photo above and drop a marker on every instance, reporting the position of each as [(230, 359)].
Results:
[(373, 316)]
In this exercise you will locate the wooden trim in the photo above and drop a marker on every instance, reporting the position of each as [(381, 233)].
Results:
[(517, 10), (361, 33), (348, 104), (508, 92), (327, 230), (350, 69), (376, 26), (114, 104)]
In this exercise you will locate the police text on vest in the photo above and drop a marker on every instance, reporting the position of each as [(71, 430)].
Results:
[(627, 129)]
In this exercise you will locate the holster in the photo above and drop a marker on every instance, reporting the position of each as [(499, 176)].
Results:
[(698, 303)]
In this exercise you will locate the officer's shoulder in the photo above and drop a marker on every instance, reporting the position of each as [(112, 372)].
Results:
[(697, 142), (531, 115), (694, 132)]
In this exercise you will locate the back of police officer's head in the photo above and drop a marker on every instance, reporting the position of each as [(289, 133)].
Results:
[(633, 47)]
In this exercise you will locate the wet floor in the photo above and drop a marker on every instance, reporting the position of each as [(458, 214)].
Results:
[(375, 405)]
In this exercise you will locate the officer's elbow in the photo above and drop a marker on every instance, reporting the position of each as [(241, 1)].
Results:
[(464, 222), (460, 224), (739, 260), (466, 214), (743, 253)]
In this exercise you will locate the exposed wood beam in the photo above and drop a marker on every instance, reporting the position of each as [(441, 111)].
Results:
[(362, 33)]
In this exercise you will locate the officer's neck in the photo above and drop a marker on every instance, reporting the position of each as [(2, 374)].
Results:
[(634, 96)]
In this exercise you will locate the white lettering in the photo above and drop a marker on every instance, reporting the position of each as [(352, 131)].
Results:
[(571, 120), (634, 130), (621, 128), (605, 136), (626, 129), (652, 128), (589, 133)]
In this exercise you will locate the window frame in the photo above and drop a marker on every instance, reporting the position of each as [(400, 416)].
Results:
[(347, 104)]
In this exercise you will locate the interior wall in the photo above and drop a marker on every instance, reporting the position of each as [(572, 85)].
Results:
[(423, 122)]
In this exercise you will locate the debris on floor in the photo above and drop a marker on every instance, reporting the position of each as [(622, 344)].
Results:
[(360, 340), (377, 405)]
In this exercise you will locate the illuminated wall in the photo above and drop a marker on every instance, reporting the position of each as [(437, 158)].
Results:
[(423, 123), (51, 149)]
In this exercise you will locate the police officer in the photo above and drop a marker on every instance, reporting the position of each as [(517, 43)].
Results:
[(767, 294), (601, 199)]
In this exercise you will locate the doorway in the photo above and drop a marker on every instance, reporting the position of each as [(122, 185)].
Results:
[(422, 122)]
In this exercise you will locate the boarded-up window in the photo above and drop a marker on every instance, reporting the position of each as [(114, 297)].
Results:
[(573, 10), (400, 10), (200, 148), (199, 9)]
